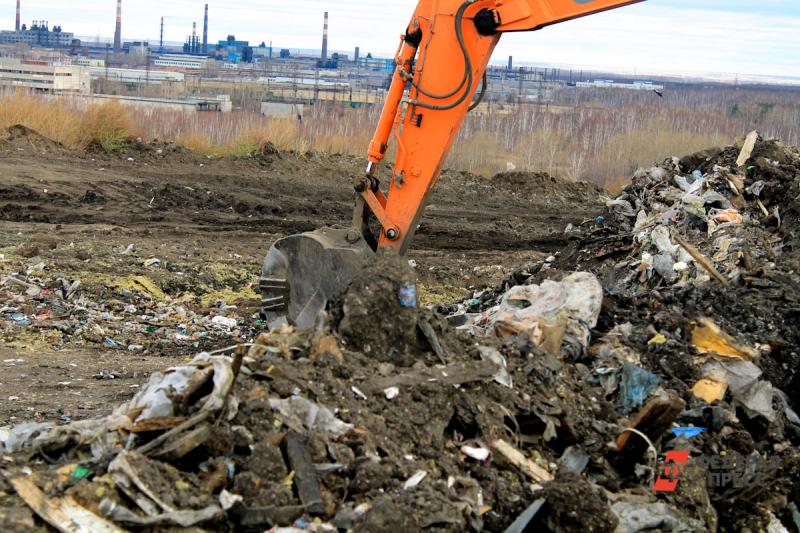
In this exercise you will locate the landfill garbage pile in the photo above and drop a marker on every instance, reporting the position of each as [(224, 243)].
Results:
[(698, 261), (590, 392), (61, 307)]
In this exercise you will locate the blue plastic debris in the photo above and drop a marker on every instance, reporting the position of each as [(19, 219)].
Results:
[(20, 319), (408, 295), (110, 342), (689, 433), (600, 219), (636, 385)]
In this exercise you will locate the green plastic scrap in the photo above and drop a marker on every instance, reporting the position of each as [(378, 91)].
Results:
[(795, 514), (81, 472)]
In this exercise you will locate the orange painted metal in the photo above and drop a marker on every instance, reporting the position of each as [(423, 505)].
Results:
[(425, 125)]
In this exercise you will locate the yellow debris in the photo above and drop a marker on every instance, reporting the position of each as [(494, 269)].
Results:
[(707, 337), (658, 339), (141, 284), (228, 296), (709, 390)]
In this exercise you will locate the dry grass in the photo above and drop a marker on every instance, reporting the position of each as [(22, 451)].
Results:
[(599, 136), (108, 125)]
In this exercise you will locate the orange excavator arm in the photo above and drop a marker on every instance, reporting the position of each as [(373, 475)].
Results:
[(440, 63)]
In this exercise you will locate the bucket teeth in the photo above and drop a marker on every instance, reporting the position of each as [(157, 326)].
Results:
[(274, 295), (273, 283)]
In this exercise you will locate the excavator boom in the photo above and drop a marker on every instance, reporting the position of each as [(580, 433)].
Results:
[(441, 62)]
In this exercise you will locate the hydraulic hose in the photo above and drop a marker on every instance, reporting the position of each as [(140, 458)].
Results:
[(484, 87), (468, 77)]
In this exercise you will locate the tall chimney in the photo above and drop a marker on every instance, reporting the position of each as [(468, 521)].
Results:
[(205, 32), (17, 27), (325, 39), (193, 47), (118, 31), (357, 54), (510, 63)]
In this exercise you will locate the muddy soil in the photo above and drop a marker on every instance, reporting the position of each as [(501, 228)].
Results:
[(209, 222)]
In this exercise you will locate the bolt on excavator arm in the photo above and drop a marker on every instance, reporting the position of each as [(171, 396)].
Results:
[(441, 61)]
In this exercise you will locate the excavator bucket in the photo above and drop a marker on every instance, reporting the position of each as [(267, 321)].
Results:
[(302, 272)]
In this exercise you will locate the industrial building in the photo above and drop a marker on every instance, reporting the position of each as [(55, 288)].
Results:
[(181, 61), (38, 34), (88, 62), (611, 84), (234, 51), (131, 75), (44, 77), (195, 104), (282, 110)]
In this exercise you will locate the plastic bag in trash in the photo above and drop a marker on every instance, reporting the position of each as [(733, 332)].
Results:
[(743, 380), (14, 439), (690, 185), (622, 207), (503, 376), (157, 400), (640, 516), (665, 266), (635, 386), (573, 303), (303, 415), (757, 188)]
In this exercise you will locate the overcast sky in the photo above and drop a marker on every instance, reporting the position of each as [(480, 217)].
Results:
[(673, 36)]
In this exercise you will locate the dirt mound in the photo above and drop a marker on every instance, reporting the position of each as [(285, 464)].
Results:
[(20, 136), (541, 184)]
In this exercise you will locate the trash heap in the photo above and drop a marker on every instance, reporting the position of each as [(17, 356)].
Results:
[(698, 262), (590, 392), (127, 313)]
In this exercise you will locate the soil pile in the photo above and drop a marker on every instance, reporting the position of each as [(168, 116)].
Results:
[(557, 190)]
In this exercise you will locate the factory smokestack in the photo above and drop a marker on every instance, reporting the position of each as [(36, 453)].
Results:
[(510, 63), (19, 19), (118, 31), (205, 32), (325, 39)]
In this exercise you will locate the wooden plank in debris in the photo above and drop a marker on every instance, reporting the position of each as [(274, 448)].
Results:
[(747, 149), (265, 517), (700, 259), (184, 444), (305, 475), (157, 424), (64, 514), (654, 420), (518, 459), (448, 375)]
